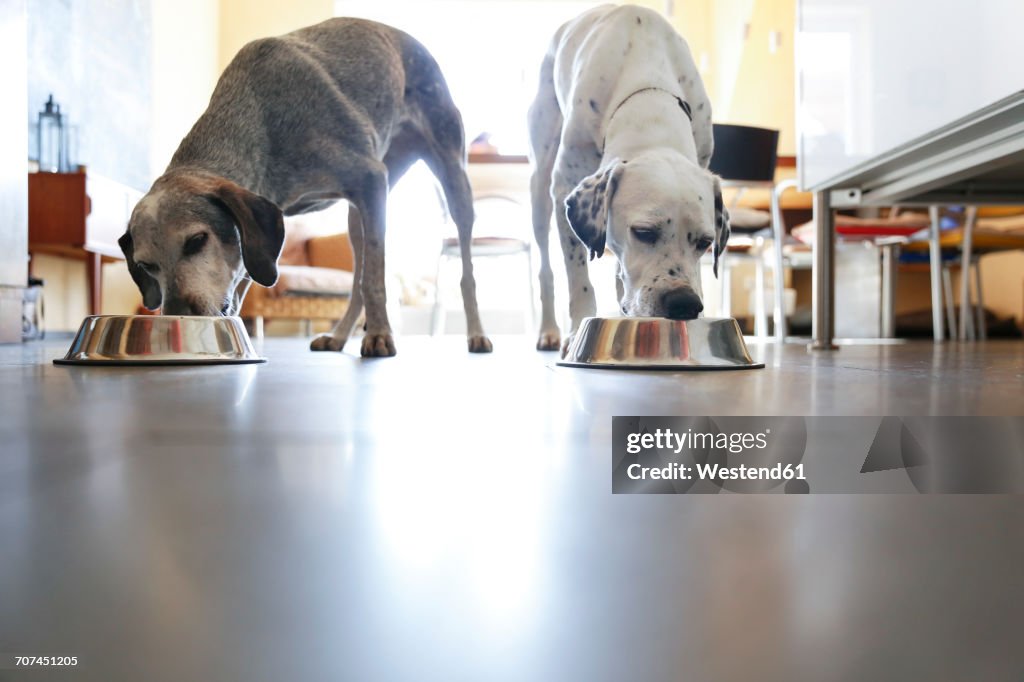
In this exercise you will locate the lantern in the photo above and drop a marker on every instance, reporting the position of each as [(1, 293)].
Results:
[(51, 139)]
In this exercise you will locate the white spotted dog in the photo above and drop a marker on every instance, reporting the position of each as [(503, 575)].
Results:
[(620, 136)]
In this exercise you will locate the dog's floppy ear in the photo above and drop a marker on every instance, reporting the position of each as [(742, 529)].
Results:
[(588, 207), (151, 296), (260, 229), (721, 223)]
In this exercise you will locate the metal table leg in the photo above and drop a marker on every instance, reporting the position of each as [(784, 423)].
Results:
[(890, 263), (779, 238), (935, 260), (947, 287), (979, 307), (760, 314), (966, 317), (823, 323)]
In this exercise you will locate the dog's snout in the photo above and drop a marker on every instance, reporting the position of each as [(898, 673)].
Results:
[(181, 306), (175, 306), (681, 304)]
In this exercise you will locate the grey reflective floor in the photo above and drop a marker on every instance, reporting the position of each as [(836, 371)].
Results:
[(442, 516)]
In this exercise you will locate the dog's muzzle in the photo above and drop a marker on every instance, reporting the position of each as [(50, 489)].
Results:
[(233, 306), (681, 304)]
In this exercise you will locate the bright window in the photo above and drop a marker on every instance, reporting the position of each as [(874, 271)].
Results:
[(489, 51)]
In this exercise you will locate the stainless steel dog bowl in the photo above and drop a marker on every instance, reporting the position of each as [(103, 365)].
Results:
[(659, 343), (160, 340)]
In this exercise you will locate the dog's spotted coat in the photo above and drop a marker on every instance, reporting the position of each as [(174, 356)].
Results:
[(621, 138)]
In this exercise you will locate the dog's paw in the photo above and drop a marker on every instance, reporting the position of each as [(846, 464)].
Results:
[(566, 344), (327, 342), (378, 346), (549, 341), (480, 344)]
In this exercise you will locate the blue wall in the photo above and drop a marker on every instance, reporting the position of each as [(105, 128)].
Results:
[(95, 57)]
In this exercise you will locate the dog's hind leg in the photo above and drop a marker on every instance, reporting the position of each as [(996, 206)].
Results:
[(450, 170), (545, 124), (444, 150)]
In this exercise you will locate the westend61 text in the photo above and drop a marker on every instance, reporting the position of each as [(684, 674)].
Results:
[(716, 472)]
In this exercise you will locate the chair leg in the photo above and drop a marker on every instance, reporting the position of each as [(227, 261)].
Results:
[(935, 270), (947, 285), (966, 318), (258, 327), (779, 273), (890, 259), (979, 307), (726, 286), (760, 315), (437, 313), (531, 322), (307, 327)]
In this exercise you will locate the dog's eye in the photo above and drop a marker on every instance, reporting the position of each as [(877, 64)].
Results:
[(645, 235), (195, 243), (704, 244)]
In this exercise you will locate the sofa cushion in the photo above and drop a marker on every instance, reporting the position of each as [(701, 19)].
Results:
[(296, 236), (305, 280), (748, 219), (331, 251), (1009, 223)]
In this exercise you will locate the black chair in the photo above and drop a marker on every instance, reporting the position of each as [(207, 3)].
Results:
[(745, 153), (745, 158)]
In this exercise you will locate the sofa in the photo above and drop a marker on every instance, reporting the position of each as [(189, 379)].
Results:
[(314, 282)]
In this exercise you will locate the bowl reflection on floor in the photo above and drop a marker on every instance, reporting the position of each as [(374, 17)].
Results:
[(160, 340), (659, 343)]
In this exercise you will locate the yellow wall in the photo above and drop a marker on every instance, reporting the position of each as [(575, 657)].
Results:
[(65, 298), (245, 20), (764, 92), (726, 22), (748, 82)]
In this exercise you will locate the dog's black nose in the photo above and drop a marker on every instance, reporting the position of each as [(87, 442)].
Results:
[(681, 304), (175, 305)]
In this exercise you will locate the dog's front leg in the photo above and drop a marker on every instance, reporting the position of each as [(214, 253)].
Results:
[(540, 189), (335, 340), (372, 205), (582, 301)]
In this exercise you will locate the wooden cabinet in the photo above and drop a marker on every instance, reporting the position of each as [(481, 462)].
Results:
[(79, 215)]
